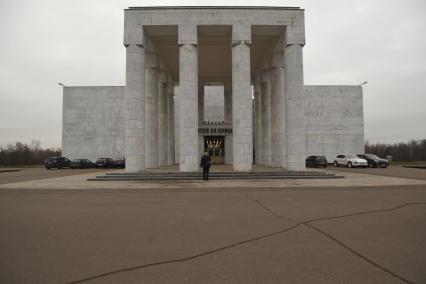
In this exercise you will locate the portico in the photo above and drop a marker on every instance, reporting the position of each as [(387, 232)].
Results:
[(235, 46)]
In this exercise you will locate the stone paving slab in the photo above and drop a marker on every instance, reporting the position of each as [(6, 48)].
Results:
[(80, 182), (391, 171)]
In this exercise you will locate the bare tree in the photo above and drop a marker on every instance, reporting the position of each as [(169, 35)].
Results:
[(24, 154), (413, 150)]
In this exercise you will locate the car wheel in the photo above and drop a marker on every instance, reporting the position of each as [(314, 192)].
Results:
[(336, 164), (349, 165), (47, 168), (370, 165), (325, 166)]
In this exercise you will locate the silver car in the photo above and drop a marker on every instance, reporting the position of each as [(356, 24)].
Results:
[(350, 160)]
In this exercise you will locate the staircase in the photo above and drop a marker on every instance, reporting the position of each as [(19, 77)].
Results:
[(158, 176)]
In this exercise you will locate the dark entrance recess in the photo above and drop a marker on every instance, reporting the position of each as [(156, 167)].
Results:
[(215, 145)]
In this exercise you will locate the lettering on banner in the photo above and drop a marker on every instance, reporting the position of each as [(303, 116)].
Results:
[(206, 130)]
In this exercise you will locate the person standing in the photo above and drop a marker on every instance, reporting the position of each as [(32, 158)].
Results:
[(205, 164)]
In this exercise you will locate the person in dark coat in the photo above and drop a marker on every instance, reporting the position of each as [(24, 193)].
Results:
[(205, 164)]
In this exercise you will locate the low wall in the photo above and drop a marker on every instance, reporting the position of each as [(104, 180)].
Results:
[(334, 120), (93, 122)]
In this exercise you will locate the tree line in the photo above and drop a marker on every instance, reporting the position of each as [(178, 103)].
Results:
[(413, 150), (26, 154)]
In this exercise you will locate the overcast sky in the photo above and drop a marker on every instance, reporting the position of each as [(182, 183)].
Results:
[(80, 43)]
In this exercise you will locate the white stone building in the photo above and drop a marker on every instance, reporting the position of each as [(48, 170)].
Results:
[(228, 80)]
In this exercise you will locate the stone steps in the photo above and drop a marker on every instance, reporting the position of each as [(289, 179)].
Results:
[(147, 176)]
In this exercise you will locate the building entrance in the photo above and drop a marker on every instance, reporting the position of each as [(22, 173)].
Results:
[(215, 146)]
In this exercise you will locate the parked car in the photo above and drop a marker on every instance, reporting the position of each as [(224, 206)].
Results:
[(374, 161), (105, 163), (316, 161), (82, 164), (57, 162), (120, 163), (350, 160)]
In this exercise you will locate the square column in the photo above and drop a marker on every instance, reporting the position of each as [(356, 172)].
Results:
[(278, 108), (266, 117), (242, 111), (170, 122), (200, 104), (257, 121), (188, 98), (162, 118), (134, 140), (227, 92), (151, 108), (176, 116), (294, 106)]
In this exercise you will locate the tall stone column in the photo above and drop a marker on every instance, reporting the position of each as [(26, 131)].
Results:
[(266, 118), (200, 118), (177, 120), (294, 107), (170, 122), (200, 104), (151, 108), (278, 108), (242, 111), (188, 100), (227, 92), (134, 139), (257, 121), (162, 118)]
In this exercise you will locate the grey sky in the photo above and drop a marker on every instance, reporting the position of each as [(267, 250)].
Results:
[(80, 43)]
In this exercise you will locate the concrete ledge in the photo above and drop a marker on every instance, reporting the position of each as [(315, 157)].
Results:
[(415, 166), (214, 7), (9, 170)]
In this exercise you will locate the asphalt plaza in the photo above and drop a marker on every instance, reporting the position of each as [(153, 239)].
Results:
[(293, 233)]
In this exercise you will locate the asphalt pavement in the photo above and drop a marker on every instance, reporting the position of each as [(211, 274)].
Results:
[(368, 234)]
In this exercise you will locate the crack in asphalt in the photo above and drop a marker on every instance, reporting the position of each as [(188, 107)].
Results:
[(236, 244), (363, 257), (334, 239)]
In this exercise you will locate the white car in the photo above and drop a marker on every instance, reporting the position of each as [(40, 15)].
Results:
[(349, 160)]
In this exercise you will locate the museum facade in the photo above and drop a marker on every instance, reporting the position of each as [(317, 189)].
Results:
[(227, 80)]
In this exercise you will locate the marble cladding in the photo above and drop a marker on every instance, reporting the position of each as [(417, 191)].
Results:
[(214, 104), (334, 120), (93, 122), (151, 124)]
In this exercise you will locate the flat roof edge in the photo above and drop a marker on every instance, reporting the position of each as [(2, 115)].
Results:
[(213, 7), (98, 86)]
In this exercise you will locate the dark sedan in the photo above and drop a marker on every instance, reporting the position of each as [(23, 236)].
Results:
[(82, 164), (105, 163), (374, 161), (57, 162), (120, 163), (316, 161)]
